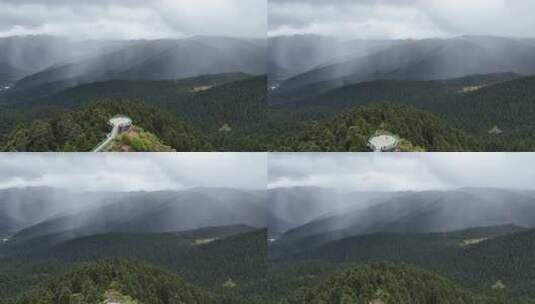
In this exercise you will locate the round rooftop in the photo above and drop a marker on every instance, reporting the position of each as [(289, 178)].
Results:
[(382, 142), (120, 120)]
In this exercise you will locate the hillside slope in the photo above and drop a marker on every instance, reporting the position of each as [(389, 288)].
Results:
[(428, 59), (82, 130), (149, 60), (386, 283), (477, 258), (153, 212), (109, 281), (350, 130)]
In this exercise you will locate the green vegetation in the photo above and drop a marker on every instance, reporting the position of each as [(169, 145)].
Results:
[(229, 113), (350, 131), (138, 140), (496, 270), (497, 116), (82, 130), (96, 282), (386, 283), (234, 256)]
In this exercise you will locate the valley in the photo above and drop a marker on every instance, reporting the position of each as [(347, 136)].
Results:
[(479, 95), (125, 234), (430, 103), (164, 76), (151, 229), (330, 240)]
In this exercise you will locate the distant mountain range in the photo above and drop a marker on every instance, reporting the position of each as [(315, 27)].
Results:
[(405, 213), (64, 215), (428, 59), (68, 63), (476, 244), (99, 246), (21, 56)]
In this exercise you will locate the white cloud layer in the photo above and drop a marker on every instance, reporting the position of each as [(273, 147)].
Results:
[(402, 172), (133, 172), (133, 19), (402, 19)]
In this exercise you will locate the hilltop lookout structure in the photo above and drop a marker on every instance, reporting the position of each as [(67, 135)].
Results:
[(383, 142), (119, 124), (123, 123)]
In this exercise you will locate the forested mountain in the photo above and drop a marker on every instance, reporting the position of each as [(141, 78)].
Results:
[(490, 112), (476, 241), (167, 211), (476, 103), (287, 205), (428, 59), (151, 92), (149, 60), (21, 56), (492, 260), (116, 281), (8, 225), (481, 86), (31, 205), (228, 263), (82, 130), (350, 131), (416, 212), (212, 238), (228, 112), (385, 283), (204, 81), (431, 94), (292, 55)]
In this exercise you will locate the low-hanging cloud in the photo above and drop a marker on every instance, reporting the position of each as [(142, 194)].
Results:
[(402, 172), (133, 19), (133, 172), (402, 19)]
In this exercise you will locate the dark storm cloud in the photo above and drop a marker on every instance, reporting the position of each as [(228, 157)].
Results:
[(132, 19), (390, 19), (120, 172), (401, 172)]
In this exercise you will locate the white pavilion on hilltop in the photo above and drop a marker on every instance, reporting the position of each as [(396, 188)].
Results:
[(121, 122), (383, 143)]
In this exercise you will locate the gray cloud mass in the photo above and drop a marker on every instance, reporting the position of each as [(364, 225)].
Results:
[(133, 172), (402, 19), (402, 172), (133, 19)]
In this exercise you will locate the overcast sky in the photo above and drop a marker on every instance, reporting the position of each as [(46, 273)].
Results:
[(133, 172), (133, 19), (402, 171), (402, 19)]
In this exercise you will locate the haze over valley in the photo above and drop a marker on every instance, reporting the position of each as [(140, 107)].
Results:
[(349, 218), (165, 219), (188, 62), (337, 72)]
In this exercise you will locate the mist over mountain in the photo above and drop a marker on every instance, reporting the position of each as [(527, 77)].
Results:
[(68, 216), (292, 55), (414, 212), (198, 219), (21, 56), (427, 59), (479, 239), (29, 206), (295, 206), (162, 59)]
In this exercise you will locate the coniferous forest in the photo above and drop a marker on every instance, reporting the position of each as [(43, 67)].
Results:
[(235, 116), (255, 103)]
